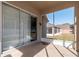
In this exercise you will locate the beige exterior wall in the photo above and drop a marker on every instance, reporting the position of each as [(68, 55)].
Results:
[(39, 28), (44, 26)]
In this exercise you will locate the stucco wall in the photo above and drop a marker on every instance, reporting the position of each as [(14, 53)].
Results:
[(44, 26), (39, 28)]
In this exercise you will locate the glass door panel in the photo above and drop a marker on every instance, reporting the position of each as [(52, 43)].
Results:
[(25, 27), (10, 27)]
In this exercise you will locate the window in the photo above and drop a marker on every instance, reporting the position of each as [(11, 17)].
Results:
[(50, 30)]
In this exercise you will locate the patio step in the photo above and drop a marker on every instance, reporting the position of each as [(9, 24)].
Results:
[(65, 52)]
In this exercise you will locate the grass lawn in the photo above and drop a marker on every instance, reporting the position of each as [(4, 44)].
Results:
[(68, 37)]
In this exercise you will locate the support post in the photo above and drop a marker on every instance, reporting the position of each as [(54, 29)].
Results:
[(77, 28)]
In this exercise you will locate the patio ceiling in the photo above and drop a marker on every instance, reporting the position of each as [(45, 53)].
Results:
[(49, 6), (44, 7)]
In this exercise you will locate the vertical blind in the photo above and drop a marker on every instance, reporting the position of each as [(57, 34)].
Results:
[(16, 27)]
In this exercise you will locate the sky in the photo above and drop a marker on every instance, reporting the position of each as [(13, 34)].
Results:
[(62, 16)]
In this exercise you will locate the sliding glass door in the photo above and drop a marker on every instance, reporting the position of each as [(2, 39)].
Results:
[(16, 27), (25, 27), (10, 27)]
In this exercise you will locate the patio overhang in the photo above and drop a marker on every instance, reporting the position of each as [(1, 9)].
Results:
[(45, 7)]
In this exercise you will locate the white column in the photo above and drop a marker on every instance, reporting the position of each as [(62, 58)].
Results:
[(0, 27)]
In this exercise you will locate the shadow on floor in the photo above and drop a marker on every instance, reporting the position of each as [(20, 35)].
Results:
[(58, 50), (32, 50), (37, 49), (72, 52)]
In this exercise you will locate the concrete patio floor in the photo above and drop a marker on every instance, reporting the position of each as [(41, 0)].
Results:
[(41, 50)]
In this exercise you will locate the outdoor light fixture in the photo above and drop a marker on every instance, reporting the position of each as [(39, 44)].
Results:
[(40, 24)]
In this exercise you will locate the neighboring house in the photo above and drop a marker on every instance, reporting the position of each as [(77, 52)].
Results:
[(59, 29), (52, 30), (66, 28)]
